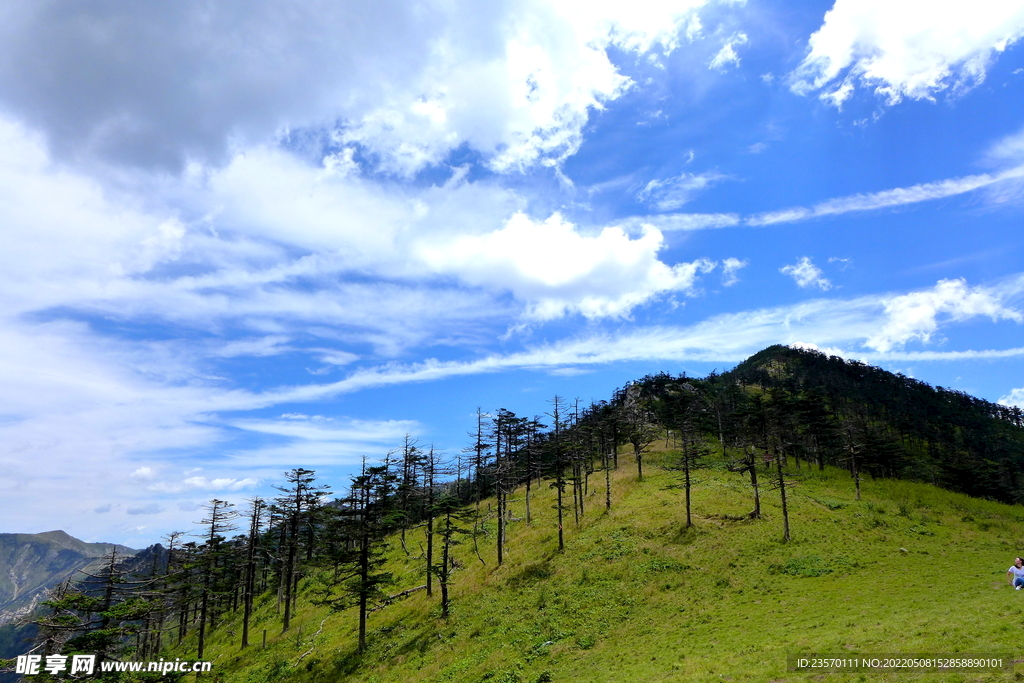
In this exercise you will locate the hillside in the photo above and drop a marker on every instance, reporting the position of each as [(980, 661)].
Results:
[(637, 597)]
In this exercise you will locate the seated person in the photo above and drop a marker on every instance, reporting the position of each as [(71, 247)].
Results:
[(1015, 574)]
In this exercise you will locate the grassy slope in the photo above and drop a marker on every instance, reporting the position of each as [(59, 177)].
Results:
[(635, 597)]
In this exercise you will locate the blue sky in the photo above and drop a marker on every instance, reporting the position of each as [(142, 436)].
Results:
[(238, 238)]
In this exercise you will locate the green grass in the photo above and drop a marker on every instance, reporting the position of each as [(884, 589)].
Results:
[(637, 597)]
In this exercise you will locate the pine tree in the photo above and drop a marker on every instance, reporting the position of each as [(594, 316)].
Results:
[(218, 521), (256, 508), (300, 495), (451, 518), (365, 518)]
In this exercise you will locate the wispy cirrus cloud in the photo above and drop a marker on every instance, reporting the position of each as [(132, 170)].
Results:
[(201, 483), (872, 327), (670, 222), (899, 196), (669, 194), (1007, 152)]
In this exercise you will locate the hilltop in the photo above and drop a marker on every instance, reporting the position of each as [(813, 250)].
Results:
[(905, 427)]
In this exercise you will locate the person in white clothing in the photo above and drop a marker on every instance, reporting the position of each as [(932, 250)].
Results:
[(1015, 574)]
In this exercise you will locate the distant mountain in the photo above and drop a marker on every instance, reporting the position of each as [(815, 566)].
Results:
[(32, 563)]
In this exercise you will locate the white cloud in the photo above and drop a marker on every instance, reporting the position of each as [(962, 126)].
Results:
[(409, 81), (906, 48), (730, 267), (899, 196), (727, 56), (335, 357), (320, 441), (80, 410), (831, 324), (143, 474), (916, 315), (201, 483), (806, 274), (1014, 398), (670, 194), (331, 430), (270, 345), (670, 222), (807, 346), (558, 270), (969, 354), (271, 225), (151, 509), (1007, 150), (267, 227)]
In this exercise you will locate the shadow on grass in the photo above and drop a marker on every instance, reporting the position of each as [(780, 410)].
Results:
[(347, 664), (685, 535)]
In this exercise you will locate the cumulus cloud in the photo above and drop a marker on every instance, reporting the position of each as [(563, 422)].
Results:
[(1014, 398), (806, 274), (916, 315), (807, 346), (407, 81), (558, 269), (271, 253), (905, 48)]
